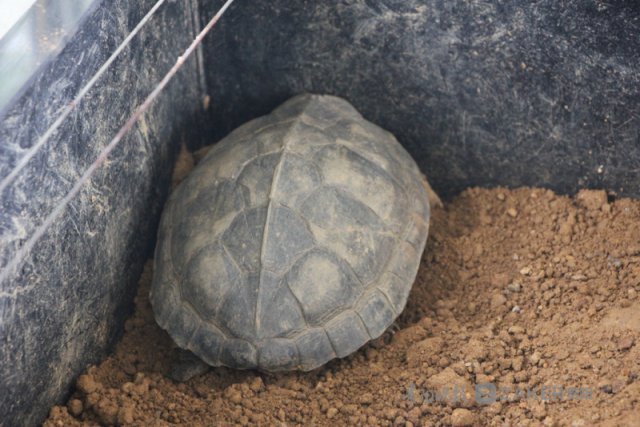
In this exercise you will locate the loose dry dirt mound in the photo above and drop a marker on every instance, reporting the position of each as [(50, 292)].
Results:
[(533, 296)]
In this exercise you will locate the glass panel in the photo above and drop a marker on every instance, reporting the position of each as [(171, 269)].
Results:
[(11, 12), (40, 31)]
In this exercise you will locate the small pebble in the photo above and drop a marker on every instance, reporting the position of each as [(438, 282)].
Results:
[(535, 358), (516, 329), (497, 300), (625, 343), (514, 287), (75, 407), (87, 384), (125, 415), (256, 384), (461, 417), (366, 399), (517, 363)]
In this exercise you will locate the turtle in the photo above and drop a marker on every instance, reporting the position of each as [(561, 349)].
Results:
[(295, 240)]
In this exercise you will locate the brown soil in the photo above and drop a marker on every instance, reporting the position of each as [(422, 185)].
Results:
[(522, 289)]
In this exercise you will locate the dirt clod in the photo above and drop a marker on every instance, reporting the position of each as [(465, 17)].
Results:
[(462, 418), (87, 384)]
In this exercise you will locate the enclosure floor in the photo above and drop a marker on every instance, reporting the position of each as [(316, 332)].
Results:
[(522, 289)]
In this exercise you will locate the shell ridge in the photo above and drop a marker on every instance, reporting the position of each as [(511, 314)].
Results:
[(265, 233)]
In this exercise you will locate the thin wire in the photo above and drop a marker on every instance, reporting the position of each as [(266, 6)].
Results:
[(69, 108), (59, 209)]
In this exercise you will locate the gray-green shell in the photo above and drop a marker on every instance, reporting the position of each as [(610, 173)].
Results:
[(294, 241)]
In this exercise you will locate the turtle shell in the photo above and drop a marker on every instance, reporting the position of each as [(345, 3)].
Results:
[(294, 241)]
